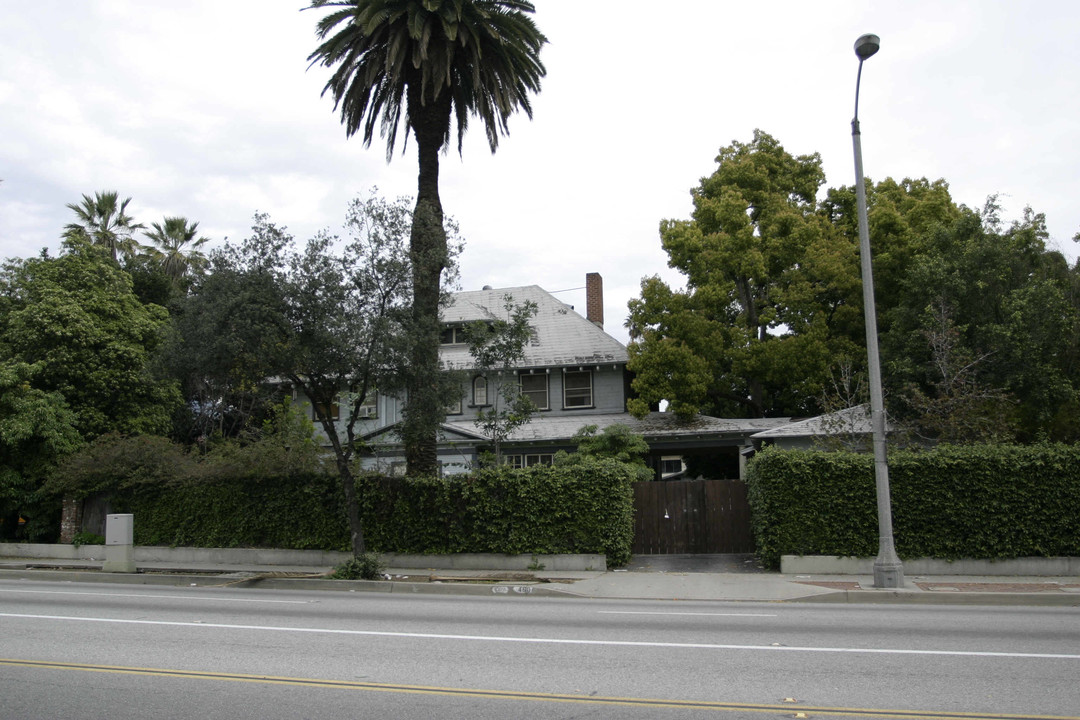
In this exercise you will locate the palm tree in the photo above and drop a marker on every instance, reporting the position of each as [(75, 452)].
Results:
[(169, 241), (423, 62), (103, 222)]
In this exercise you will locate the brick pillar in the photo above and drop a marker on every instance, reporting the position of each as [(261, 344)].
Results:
[(594, 299), (70, 520)]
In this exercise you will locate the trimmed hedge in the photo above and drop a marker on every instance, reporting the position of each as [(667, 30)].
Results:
[(979, 501), (301, 512), (580, 508)]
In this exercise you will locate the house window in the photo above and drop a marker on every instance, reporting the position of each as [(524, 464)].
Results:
[(524, 461), (670, 466), (369, 409), (319, 411), (453, 335), (535, 387), (479, 391), (577, 389), (454, 408)]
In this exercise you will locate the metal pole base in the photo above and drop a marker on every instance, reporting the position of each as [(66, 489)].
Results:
[(888, 574)]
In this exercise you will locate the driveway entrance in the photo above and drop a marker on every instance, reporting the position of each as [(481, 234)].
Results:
[(691, 517)]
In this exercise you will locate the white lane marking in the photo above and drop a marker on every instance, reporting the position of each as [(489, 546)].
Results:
[(154, 597), (696, 614), (552, 641)]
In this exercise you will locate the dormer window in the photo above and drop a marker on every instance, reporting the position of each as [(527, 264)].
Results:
[(452, 335)]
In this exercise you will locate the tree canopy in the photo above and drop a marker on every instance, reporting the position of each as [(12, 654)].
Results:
[(330, 321), (979, 320), (76, 319), (769, 295)]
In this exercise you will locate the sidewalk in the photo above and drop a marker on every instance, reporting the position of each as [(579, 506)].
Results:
[(698, 578)]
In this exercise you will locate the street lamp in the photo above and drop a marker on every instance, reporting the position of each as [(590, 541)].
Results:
[(888, 570)]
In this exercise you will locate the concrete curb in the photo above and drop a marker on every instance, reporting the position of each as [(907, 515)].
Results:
[(915, 597), (254, 580), (839, 565)]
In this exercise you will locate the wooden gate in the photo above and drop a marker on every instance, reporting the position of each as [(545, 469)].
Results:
[(691, 516)]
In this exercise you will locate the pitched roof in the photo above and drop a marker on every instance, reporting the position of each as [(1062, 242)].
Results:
[(562, 336), (852, 420)]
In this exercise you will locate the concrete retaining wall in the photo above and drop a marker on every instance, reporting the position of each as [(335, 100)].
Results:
[(318, 558), (836, 565)]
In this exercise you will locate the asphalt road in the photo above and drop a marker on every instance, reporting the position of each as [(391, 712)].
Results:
[(106, 651)]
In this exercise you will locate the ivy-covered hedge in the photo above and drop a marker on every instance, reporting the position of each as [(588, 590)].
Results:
[(303, 512), (580, 508), (981, 501)]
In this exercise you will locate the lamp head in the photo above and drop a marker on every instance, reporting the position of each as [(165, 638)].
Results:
[(866, 46)]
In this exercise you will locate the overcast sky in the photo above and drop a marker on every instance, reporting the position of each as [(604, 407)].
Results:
[(206, 109)]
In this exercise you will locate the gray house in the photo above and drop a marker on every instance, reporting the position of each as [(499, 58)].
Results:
[(575, 373)]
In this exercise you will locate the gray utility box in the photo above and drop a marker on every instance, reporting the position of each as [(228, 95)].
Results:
[(119, 544)]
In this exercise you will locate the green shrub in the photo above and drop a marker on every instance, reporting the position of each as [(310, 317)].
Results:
[(87, 538), (975, 501), (365, 566)]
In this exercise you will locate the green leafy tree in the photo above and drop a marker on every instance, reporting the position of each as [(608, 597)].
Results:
[(76, 319), (227, 337), (330, 321), (957, 407), (346, 315), (37, 429), (423, 64), (103, 220), (903, 218), (497, 346), (987, 313), (616, 442), (769, 295)]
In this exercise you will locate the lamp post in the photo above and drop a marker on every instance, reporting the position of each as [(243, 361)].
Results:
[(888, 571)]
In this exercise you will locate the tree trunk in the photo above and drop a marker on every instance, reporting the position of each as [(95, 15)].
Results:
[(352, 509), (424, 410)]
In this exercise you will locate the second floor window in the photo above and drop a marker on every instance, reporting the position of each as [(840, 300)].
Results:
[(577, 389), (320, 410), (479, 391), (535, 387), (452, 335), (369, 409)]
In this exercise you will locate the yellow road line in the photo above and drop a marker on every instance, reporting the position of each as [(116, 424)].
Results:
[(787, 708)]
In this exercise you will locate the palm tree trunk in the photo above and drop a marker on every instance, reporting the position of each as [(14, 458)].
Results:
[(424, 410)]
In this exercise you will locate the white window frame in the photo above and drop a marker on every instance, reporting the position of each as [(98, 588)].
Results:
[(524, 460), (480, 399), (584, 393), (533, 392)]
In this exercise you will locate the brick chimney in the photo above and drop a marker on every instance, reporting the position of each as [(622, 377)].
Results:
[(594, 299)]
